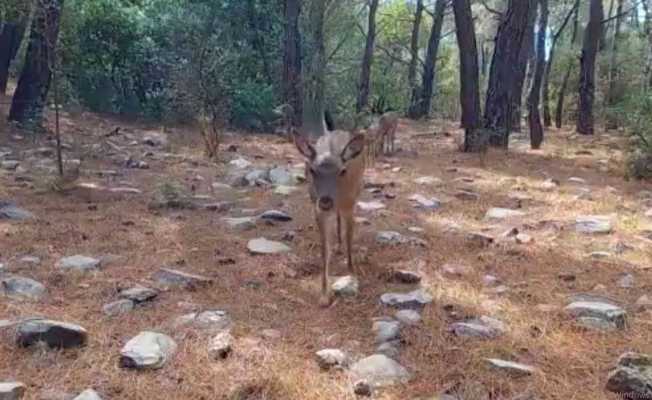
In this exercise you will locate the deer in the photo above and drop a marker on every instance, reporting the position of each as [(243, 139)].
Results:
[(334, 168), (388, 123)]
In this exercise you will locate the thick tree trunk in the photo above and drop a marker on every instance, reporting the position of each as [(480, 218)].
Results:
[(292, 85), (527, 64), (367, 59), (474, 140), (505, 68), (612, 95), (315, 97), (414, 60), (590, 47), (31, 93), (425, 97), (534, 118), (10, 38)]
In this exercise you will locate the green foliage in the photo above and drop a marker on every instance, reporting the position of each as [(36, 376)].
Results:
[(637, 112)]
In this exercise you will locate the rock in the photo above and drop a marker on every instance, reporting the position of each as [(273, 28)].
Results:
[(416, 229), (466, 195), (138, 294), (408, 317), (240, 224), (265, 246), (220, 206), (598, 255), (147, 350), (574, 179), (362, 388), (281, 176), (490, 280), (10, 211), (31, 260), (54, 333), (219, 186), (345, 286), (597, 310), (403, 276), (626, 281), (390, 238), (172, 277), (523, 238), (256, 177), (9, 165), (212, 320), (219, 346), (427, 180), (644, 303), (284, 190), (482, 328), (386, 329), (240, 163), (596, 324), (425, 203), (88, 394), (379, 370), (118, 307), (593, 224), (155, 139), (12, 390), (549, 185), (632, 377), (414, 300), (503, 213), (79, 263), (331, 358), (513, 368), (20, 288), (390, 349), (276, 215), (455, 270), (370, 206)]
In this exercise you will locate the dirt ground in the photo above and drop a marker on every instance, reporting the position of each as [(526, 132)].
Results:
[(281, 291)]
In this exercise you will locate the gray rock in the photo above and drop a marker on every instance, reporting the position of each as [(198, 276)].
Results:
[(265, 246), (390, 238), (31, 260), (427, 180), (155, 139), (362, 388), (12, 390), (414, 300), (147, 350), (593, 224), (88, 394), (424, 202), (390, 349), (171, 277), (599, 310), (9, 165), (276, 215), (408, 317), (386, 330), (138, 294), (212, 320), (626, 281), (10, 211), (596, 324), (467, 195), (257, 177), (241, 223), (345, 286), (632, 377), (284, 190), (379, 370), (219, 346), (20, 288), (512, 368), (481, 328), (503, 213), (79, 263), (240, 163), (370, 206), (55, 334), (281, 176), (118, 307), (404, 276), (331, 358)]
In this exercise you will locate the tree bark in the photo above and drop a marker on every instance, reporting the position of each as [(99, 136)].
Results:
[(367, 59), (527, 63), (559, 111), (504, 69), (10, 38), (585, 119), (422, 107), (469, 79), (292, 85), (414, 59), (315, 97), (534, 118), (647, 78), (34, 83), (612, 95)]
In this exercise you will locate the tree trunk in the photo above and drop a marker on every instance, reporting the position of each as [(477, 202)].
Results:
[(257, 39), (414, 59), (527, 63), (534, 119), (587, 69), (367, 59), (10, 38), (612, 95), (31, 93), (469, 79), (292, 85), (504, 69), (315, 97), (559, 111), (647, 77), (425, 97)]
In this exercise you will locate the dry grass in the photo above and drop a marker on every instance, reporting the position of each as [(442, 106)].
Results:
[(573, 363)]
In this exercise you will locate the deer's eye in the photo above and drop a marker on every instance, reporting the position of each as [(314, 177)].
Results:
[(343, 172)]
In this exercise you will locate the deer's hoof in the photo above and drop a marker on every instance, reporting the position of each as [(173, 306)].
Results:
[(325, 300)]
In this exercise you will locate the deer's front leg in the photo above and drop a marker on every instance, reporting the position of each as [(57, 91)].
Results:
[(322, 222)]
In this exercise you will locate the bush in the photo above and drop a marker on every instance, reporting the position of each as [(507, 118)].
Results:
[(637, 112)]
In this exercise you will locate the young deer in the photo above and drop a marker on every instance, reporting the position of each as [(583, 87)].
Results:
[(387, 132), (334, 170)]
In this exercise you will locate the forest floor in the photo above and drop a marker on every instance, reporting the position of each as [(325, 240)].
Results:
[(273, 299)]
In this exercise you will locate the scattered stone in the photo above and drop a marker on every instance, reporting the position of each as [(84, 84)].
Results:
[(482, 328), (390, 349), (281, 176), (386, 329), (10, 211), (331, 358), (467, 195), (390, 238), (241, 223), (408, 317), (503, 213), (370, 206), (155, 139), (20, 288), (626, 281), (240, 163), (9, 165), (574, 179), (79, 263), (586, 312), (284, 190), (362, 388), (276, 215), (379, 370), (490, 280), (219, 347), (345, 286), (147, 350), (53, 333), (118, 307), (523, 238), (644, 303), (212, 320), (549, 185), (600, 254), (12, 390), (403, 276), (139, 294), (513, 368), (455, 270), (265, 246), (593, 224), (172, 277), (257, 177), (32, 260), (426, 203), (88, 394), (414, 300), (428, 180), (632, 377)]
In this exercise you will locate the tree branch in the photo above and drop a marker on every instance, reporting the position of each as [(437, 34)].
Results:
[(622, 14)]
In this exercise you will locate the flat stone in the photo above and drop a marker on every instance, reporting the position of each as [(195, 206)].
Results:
[(467, 195), (379, 370), (503, 213), (219, 346), (512, 368), (523, 238), (55, 334), (481, 328), (118, 307), (172, 277), (10, 211), (276, 215), (427, 180), (212, 320), (414, 300), (240, 163), (32, 260), (390, 349), (9, 165), (574, 179), (632, 377), (17, 287), (331, 358), (79, 263), (12, 390), (88, 394), (408, 317), (138, 294), (370, 205), (626, 281), (285, 190), (593, 224), (281, 176), (599, 310), (147, 350), (265, 246), (596, 324), (240, 223), (598, 255), (257, 177), (424, 202), (345, 286), (386, 330), (404, 276)]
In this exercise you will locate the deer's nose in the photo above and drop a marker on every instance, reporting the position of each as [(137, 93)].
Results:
[(325, 203)]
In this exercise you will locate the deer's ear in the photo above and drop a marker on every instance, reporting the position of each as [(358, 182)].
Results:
[(303, 145), (354, 148)]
